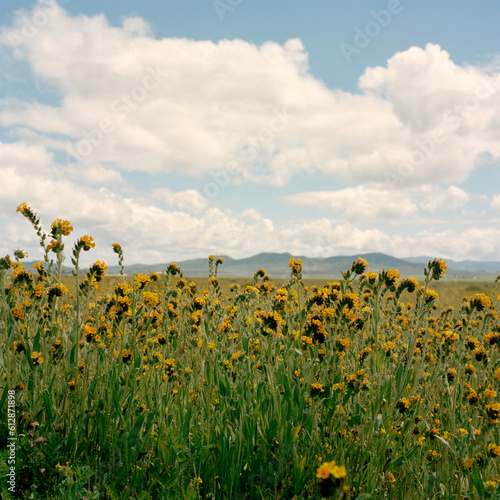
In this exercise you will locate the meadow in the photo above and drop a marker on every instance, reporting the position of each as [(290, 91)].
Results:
[(155, 386)]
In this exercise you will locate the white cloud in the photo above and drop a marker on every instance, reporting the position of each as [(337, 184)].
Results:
[(234, 110), (25, 158), (152, 234), (444, 199), (495, 204), (359, 203), (366, 202), (188, 200), (197, 106)]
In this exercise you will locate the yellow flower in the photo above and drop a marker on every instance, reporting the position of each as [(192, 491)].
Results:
[(317, 389), (21, 386), (61, 227), (23, 208), (86, 242), (152, 299), (331, 477), (490, 394), (359, 266), (126, 355), (36, 358), (437, 268), (494, 450), (493, 410), (328, 469), (17, 312)]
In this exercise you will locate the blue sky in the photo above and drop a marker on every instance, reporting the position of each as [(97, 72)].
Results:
[(234, 127)]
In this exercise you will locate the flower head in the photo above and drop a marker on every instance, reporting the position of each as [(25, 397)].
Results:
[(436, 268), (36, 358), (331, 477), (126, 355), (359, 266), (86, 243), (28, 213), (60, 227)]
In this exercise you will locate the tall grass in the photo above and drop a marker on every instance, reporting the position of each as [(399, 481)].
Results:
[(159, 390)]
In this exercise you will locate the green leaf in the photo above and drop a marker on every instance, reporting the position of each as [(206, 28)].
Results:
[(399, 374), (430, 485), (444, 442), (477, 479), (347, 396), (47, 401), (36, 342), (136, 429), (272, 429), (379, 362)]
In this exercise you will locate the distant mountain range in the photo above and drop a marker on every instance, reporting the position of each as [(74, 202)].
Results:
[(276, 265)]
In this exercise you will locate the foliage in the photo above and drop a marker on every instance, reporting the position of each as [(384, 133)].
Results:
[(160, 390)]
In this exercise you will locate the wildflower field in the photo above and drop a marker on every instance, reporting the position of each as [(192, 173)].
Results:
[(365, 387)]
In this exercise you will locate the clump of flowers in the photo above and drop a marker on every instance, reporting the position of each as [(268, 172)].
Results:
[(317, 389), (359, 266), (36, 358), (126, 355), (436, 269), (296, 266), (331, 478)]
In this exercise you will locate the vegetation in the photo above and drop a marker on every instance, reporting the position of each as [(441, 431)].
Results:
[(361, 388)]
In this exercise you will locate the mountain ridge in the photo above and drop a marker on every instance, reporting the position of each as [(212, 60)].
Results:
[(276, 264)]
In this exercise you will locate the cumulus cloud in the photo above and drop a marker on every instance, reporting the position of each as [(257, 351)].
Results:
[(149, 233), (198, 106), (233, 111), (367, 202), (495, 204), (358, 203), (444, 199), (188, 200)]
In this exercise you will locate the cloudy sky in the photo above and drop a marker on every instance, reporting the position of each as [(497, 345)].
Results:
[(234, 127)]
